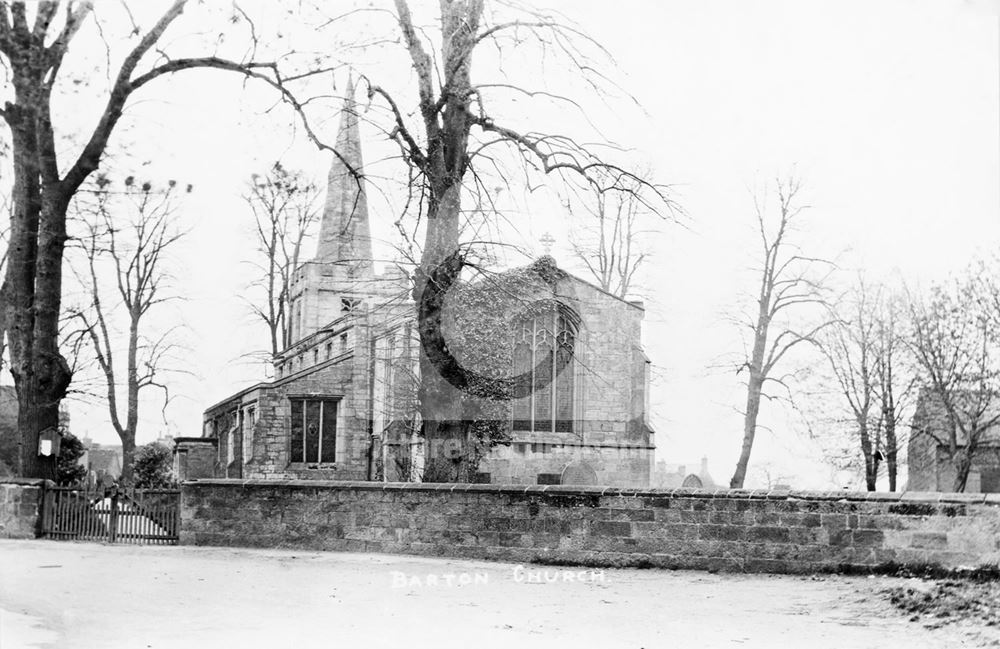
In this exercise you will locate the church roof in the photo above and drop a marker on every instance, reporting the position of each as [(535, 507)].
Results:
[(635, 304), (547, 264)]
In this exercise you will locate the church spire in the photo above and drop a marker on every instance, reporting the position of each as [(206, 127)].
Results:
[(344, 233)]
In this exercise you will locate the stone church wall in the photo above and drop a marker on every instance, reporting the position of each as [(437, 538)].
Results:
[(613, 369), (734, 530), (610, 439), (528, 463), (336, 378), (611, 436), (343, 375)]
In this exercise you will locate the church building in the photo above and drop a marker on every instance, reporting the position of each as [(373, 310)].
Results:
[(343, 404)]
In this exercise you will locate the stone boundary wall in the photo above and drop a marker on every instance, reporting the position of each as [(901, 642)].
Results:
[(20, 507), (730, 530)]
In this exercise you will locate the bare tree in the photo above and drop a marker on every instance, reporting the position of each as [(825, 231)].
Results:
[(610, 242), (955, 345), (36, 43), (456, 139), (849, 346), (284, 206), (985, 278), (134, 255), (769, 476), (864, 352), (790, 282), (895, 379)]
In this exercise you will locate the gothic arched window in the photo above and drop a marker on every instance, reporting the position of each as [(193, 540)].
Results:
[(543, 347)]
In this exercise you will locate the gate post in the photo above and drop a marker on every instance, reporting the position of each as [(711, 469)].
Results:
[(113, 518), (41, 521)]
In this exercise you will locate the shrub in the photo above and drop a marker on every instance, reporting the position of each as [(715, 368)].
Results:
[(152, 467)]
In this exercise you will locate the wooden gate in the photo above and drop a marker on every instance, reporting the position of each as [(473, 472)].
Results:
[(116, 514)]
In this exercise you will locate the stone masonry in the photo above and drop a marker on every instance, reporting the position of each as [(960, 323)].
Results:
[(342, 374), (732, 530), (195, 457), (20, 507), (611, 439)]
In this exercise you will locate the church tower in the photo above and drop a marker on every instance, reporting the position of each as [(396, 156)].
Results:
[(340, 277)]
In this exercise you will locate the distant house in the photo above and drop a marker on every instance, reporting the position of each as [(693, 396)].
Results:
[(929, 464), (102, 457), (674, 476)]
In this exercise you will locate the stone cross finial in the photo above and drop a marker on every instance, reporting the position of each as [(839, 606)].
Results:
[(547, 240)]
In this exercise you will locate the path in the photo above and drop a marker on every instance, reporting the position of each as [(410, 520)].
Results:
[(64, 594)]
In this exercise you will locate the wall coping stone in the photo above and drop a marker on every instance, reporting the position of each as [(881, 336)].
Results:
[(883, 495), (751, 494), (970, 498), (28, 482), (920, 496)]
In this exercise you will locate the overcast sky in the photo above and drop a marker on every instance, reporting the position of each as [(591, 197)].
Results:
[(888, 111)]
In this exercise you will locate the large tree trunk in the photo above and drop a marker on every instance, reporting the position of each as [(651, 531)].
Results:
[(128, 458), (754, 389), (32, 290), (132, 416), (871, 463), (871, 467), (36, 412), (444, 425), (41, 374), (447, 122)]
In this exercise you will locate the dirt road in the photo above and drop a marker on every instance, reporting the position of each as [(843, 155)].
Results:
[(67, 595)]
